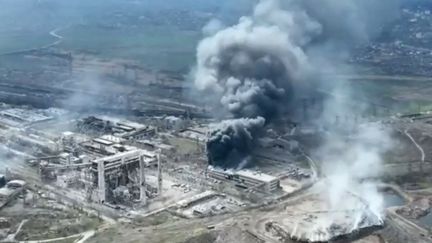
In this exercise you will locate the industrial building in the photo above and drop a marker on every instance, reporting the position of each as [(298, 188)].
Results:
[(118, 170), (21, 117), (121, 129), (246, 179)]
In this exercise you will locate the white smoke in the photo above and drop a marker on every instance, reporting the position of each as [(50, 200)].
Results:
[(255, 67), (212, 27), (351, 165)]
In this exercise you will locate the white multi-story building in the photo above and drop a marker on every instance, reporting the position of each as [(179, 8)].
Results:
[(246, 178)]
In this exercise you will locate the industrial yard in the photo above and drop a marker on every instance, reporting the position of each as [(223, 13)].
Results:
[(146, 175), (147, 122)]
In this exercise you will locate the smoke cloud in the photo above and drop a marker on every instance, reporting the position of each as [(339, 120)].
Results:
[(350, 165), (351, 22), (260, 66), (249, 74), (255, 67), (212, 27), (232, 141)]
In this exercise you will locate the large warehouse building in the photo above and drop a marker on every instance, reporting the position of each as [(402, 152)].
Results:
[(246, 178)]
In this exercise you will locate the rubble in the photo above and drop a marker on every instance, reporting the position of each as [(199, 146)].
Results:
[(313, 221), (416, 209)]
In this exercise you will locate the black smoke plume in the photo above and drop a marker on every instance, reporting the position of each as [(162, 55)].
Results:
[(232, 141), (250, 68), (257, 67)]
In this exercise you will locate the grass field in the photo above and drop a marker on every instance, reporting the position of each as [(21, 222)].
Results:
[(11, 41), (168, 48), (156, 47), (387, 94)]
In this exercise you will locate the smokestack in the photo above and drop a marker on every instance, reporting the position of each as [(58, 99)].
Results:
[(142, 181), (101, 182), (159, 177)]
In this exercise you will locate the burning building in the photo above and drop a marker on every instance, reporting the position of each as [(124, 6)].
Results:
[(258, 82), (249, 76), (231, 142)]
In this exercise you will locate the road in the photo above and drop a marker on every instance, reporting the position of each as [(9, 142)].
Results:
[(423, 156), (11, 237), (312, 164), (53, 33), (411, 231)]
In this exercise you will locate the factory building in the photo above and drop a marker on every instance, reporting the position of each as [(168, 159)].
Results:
[(246, 179), (106, 145), (252, 179), (196, 134), (112, 166), (174, 123), (121, 129), (22, 117), (120, 167)]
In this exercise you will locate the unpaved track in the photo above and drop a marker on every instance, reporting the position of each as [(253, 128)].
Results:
[(423, 155), (53, 33)]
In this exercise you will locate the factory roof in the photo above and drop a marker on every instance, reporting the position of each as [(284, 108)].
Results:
[(218, 169), (25, 115), (64, 155), (172, 118), (102, 141), (16, 183), (68, 133), (112, 138), (119, 156), (256, 175), (193, 134), (148, 153), (130, 124), (6, 192), (204, 195)]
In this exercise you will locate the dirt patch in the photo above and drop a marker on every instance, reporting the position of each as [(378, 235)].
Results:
[(155, 219), (416, 209)]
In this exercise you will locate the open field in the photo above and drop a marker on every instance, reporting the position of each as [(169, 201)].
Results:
[(391, 94), (44, 219), (156, 47), (12, 41)]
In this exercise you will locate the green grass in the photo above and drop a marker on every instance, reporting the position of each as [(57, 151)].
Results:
[(20, 62), (19, 40), (42, 227), (107, 235), (155, 46), (69, 240), (400, 96), (157, 219)]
